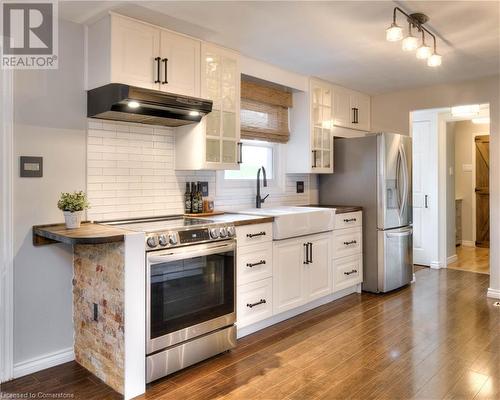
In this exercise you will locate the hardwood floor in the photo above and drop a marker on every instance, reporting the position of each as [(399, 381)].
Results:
[(474, 259), (438, 339)]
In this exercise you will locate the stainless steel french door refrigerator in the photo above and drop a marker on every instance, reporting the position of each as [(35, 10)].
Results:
[(375, 172)]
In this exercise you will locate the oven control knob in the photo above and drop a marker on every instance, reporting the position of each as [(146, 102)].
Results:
[(172, 239), (223, 232), (151, 242), (214, 233), (162, 239), (231, 231)]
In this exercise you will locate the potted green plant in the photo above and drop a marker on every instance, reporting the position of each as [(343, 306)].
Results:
[(72, 206)]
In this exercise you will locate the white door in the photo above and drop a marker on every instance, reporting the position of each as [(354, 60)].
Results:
[(319, 271), (341, 107), (288, 274), (180, 64), (425, 178), (135, 52), (361, 104)]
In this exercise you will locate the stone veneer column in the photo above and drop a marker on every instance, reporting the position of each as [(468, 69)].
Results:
[(99, 278)]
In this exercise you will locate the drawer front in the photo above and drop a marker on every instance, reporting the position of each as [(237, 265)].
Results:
[(252, 234), (347, 242), (255, 302), (348, 271), (254, 263), (348, 220)]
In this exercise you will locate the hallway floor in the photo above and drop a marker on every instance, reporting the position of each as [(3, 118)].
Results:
[(473, 259), (436, 339)]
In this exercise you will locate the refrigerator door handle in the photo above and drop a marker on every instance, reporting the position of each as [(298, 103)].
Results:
[(406, 179), (398, 185)]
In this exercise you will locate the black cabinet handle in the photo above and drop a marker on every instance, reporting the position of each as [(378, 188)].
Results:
[(351, 272), (426, 201), (165, 61), (349, 219), (261, 301), (351, 242), (310, 252), (157, 59), (357, 115), (251, 235), (314, 159), (250, 265), (306, 255), (353, 115), (240, 152)]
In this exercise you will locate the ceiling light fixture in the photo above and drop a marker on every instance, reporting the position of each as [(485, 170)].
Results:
[(481, 120), (467, 111), (416, 20)]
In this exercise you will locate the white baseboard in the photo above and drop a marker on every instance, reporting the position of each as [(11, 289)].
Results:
[(493, 293), (247, 330), (468, 243), (452, 259), (435, 265), (43, 362)]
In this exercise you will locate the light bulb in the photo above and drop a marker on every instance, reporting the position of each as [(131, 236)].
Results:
[(194, 113), (423, 52), (481, 120), (393, 33), (434, 60), (410, 43), (133, 104)]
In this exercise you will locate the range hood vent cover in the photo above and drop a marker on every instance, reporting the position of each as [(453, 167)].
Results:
[(113, 102)]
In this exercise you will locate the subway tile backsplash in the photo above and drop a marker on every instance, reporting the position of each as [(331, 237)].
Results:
[(130, 173)]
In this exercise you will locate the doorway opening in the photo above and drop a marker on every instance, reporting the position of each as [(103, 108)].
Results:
[(451, 187)]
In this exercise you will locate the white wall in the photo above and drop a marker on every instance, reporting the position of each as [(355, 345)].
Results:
[(391, 111), (49, 121), (131, 174), (450, 191)]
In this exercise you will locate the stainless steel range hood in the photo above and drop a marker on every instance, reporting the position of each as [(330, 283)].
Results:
[(119, 102)]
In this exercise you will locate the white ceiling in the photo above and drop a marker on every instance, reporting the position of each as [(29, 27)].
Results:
[(340, 41)]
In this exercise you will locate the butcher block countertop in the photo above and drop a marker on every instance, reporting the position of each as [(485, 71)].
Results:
[(339, 209), (88, 233)]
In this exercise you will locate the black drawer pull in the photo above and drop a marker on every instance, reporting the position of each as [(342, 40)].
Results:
[(261, 301), (354, 271), (351, 242), (251, 235), (250, 265), (349, 219)]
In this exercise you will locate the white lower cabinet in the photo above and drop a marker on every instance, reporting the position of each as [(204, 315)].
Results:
[(255, 302), (347, 242), (254, 262), (302, 271)]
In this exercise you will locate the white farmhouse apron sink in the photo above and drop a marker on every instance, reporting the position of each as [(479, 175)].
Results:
[(292, 221)]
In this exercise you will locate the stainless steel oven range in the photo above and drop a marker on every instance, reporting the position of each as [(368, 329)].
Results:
[(190, 291)]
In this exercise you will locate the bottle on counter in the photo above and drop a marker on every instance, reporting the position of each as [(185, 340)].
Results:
[(194, 199), (199, 198), (187, 199)]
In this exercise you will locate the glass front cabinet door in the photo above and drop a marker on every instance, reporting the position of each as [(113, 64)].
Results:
[(321, 127), (220, 82)]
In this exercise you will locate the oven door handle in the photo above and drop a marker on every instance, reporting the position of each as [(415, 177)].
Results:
[(188, 252)]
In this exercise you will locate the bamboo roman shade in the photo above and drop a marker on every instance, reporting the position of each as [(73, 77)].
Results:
[(264, 112)]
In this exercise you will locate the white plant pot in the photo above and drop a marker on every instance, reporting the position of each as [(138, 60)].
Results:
[(73, 219)]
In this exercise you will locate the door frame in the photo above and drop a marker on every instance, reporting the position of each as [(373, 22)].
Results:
[(6, 225), (443, 119)]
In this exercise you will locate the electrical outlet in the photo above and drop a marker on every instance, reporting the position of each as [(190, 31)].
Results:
[(300, 186), (204, 188), (96, 311)]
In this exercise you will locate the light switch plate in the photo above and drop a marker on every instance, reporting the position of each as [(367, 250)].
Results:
[(31, 167), (300, 186)]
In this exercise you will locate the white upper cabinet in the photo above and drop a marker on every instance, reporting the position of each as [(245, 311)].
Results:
[(310, 148), (180, 64), (134, 47), (214, 143), (123, 50), (351, 109)]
